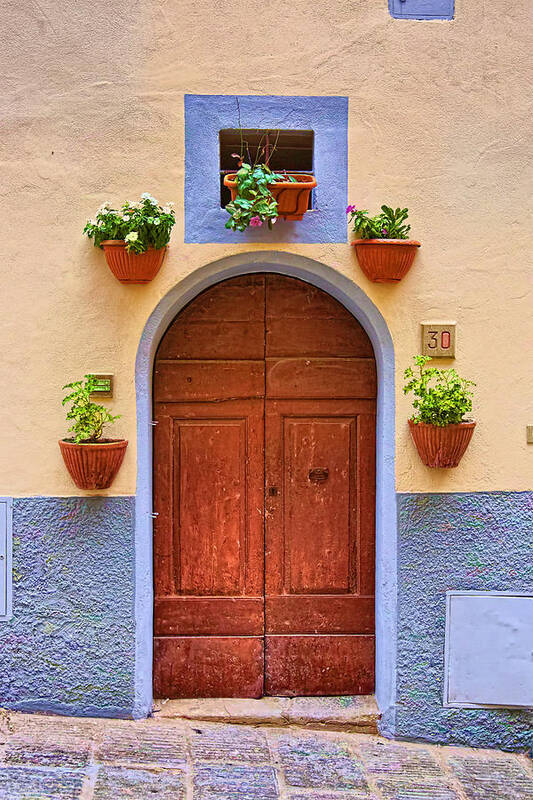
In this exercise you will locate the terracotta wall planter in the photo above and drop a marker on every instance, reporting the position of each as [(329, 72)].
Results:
[(132, 267), (441, 446), (385, 260), (292, 198), (93, 466)]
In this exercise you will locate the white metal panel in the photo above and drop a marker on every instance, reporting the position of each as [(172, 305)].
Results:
[(489, 649), (5, 558)]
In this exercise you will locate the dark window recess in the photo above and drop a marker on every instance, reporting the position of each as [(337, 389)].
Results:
[(290, 151)]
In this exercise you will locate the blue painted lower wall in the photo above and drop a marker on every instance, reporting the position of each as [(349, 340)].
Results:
[(481, 541), (70, 645)]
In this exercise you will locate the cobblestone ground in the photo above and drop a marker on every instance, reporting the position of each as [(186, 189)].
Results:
[(62, 758)]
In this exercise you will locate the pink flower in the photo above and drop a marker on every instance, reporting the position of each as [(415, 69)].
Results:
[(351, 210), (255, 222)]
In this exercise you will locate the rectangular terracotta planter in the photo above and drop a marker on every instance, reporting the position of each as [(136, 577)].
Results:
[(292, 197)]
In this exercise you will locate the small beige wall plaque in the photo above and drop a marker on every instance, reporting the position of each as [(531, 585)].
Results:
[(438, 339)]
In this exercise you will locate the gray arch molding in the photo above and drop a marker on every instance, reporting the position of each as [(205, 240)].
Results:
[(357, 302)]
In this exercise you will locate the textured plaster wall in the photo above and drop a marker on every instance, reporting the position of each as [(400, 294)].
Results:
[(92, 110), (70, 644), (477, 541)]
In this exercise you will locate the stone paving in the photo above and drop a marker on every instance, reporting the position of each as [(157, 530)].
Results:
[(65, 758)]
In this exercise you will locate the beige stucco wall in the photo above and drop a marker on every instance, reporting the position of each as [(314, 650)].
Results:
[(92, 107)]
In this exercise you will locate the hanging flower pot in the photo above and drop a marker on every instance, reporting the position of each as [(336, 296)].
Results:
[(130, 267), (384, 252), (92, 462), (441, 398), (291, 193), (93, 465), (134, 239), (385, 260), (441, 446)]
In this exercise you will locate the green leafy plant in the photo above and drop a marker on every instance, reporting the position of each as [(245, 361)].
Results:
[(441, 397), (254, 203), (141, 225), (89, 418), (387, 225)]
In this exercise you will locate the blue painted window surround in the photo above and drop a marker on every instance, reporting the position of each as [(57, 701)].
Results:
[(422, 9), (207, 115)]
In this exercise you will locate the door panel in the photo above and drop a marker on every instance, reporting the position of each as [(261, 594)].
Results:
[(303, 321), (264, 581), (204, 616), (208, 481), (213, 666), (320, 377), (239, 299), (210, 500), (195, 381), (317, 338), (318, 456), (316, 537), (319, 665), (209, 340), (209, 547), (319, 546), (317, 613)]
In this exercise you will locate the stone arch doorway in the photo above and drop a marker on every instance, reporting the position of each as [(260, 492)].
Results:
[(264, 490), (358, 303)]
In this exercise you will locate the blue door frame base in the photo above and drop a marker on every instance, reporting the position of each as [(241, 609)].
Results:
[(357, 302)]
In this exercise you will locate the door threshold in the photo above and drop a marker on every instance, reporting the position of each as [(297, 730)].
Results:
[(354, 713)]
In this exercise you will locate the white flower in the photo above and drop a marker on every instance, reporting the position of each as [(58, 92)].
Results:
[(148, 196), (104, 209), (126, 218), (166, 210), (156, 221), (132, 237)]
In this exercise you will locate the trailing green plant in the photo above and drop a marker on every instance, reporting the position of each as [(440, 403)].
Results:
[(254, 203), (89, 418), (141, 225), (441, 397), (387, 225)]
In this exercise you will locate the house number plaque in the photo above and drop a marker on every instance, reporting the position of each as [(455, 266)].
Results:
[(438, 339)]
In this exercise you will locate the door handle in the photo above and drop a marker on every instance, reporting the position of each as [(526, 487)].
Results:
[(318, 475)]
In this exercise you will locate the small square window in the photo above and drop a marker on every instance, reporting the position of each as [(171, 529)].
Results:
[(422, 9), (282, 150), (324, 118)]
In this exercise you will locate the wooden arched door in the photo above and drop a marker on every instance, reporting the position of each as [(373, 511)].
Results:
[(264, 486)]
